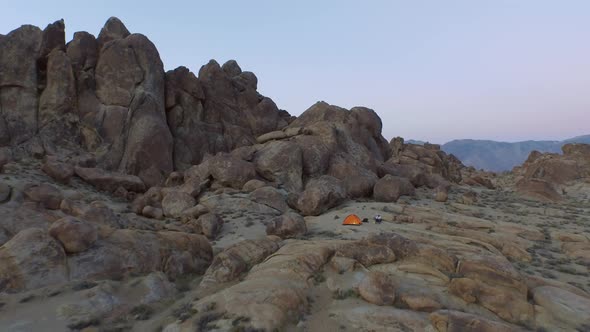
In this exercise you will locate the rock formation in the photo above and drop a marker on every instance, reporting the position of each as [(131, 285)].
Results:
[(133, 198)]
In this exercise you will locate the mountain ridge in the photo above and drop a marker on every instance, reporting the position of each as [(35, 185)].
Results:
[(502, 156)]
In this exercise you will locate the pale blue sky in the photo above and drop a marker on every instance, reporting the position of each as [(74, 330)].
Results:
[(433, 70)]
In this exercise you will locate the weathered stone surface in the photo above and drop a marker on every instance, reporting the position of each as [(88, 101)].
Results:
[(174, 203), (113, 29), (130, 83), (174, 179), (231, 171), (253, 185), (271, 197), (59, 96), (565, 308), (381, 319), (19, 84), (496, 285), (390, 188), (5, 155), (31, 259), (456, 321), (195, 212), (538, 189), (377, 288), (152, 197), (281, 161), (316, 154), (131, 251), (287, 226), (271, 294), (47, 195), (217, 112), (367, 254), (238, 259), (107, 181), (152, 212), (357, 181), (74, 234), (210, 225), (5, 191), (320, 195)]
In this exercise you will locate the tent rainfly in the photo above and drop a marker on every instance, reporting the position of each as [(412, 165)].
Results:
[(352, 219)]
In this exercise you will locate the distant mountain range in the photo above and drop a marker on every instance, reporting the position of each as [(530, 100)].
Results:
[(501, 156)]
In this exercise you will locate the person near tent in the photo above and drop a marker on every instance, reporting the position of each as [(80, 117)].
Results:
[(378, 219)]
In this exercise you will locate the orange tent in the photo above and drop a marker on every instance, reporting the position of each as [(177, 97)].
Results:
[(352, 219)]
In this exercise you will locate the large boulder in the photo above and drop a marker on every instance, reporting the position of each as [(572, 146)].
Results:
[(287, 226), (316, 154), (320, 195), (59, 171), (31, 259), (281, 161), (217, 112), (130, 84), (175, 202), (231, 171), (57, 117), (210, 225), (47, 195), (357, 181), (74, 234), (391, 188)]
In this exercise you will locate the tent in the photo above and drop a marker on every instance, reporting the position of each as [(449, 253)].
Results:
[(352, 219)]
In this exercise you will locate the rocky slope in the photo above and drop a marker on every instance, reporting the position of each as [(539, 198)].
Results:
[(133, 199)]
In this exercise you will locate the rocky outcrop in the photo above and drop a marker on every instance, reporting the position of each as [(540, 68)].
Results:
[(216, 112), (19, 84), (130, 251), (543, 176), (427, 159), (390, 188), (238, 259)]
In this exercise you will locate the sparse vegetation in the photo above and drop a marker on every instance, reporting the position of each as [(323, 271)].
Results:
[(184, 312), (344, 294), (142, 312)]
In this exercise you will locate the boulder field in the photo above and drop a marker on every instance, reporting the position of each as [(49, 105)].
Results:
[(137, 199)]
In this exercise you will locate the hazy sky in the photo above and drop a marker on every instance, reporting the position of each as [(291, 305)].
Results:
[(433, 70)]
